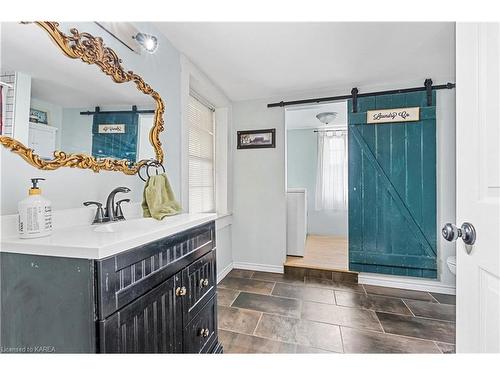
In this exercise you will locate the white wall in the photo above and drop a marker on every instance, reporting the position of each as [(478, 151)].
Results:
[(259, 201), (446, 178), (76, 135), (55, 116)]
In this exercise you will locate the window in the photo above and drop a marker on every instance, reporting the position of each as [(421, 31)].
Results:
[(201, 156), (331, 177)]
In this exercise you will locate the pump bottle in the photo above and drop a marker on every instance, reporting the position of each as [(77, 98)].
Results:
[(35, 213)]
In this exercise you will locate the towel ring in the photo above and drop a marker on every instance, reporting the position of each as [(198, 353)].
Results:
[(149, 164)]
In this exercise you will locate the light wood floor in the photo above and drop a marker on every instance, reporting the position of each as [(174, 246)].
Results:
[(322, 252)]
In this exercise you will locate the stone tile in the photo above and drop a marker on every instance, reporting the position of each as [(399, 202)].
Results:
[(269, 304), (431, 310), (304, 293), (235, 272), (303, 332), (446, 348), (308, 350), (448, 299), (278, 277), (247, 285), (428, 329), (237, 320), (226, 296), (241, 343), (344, 316), (398, 293), (371, 302), (330, 284), (359, 341)]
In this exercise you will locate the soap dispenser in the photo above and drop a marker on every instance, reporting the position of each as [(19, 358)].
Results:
[(35, 213)]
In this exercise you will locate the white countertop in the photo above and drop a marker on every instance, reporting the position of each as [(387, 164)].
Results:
[(82, 241)]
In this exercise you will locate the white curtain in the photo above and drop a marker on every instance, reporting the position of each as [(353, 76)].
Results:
[(331, 174)]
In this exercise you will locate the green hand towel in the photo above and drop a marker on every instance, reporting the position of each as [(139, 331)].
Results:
[(159, 200)]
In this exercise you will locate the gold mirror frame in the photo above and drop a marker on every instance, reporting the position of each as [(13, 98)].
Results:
[(91, 50)]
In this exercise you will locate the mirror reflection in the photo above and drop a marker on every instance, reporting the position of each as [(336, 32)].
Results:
[(51, 102)]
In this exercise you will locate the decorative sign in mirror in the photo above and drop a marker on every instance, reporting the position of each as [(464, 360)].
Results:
[(59, 109)]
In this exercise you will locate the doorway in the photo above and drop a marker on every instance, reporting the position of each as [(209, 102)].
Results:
[(316, 182)]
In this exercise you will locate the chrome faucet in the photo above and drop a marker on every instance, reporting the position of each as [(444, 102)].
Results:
[(110, 213)]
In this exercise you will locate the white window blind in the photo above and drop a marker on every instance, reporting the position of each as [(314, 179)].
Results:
[(201, 157)]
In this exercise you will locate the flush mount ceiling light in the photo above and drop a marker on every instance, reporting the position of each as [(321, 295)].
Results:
[(326, 117), (147, 41)]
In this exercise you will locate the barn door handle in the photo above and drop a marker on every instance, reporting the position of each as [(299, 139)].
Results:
[(467, 232)]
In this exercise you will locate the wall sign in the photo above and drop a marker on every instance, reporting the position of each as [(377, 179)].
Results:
[(112, 128), (380, 116)]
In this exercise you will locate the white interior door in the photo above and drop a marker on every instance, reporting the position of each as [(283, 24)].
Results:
[(478, 186)]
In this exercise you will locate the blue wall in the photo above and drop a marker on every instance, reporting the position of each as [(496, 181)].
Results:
[(301, 173)]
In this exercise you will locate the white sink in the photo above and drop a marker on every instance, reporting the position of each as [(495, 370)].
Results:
[(125, 226)]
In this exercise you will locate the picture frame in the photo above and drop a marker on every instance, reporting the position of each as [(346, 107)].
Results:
[(260, 138), (38, 116)]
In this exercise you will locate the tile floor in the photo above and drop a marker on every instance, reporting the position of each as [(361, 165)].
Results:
[(263, 312)]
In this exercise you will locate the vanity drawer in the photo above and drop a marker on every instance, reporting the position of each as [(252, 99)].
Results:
[(199, 279), (201, 333), (128, 275)]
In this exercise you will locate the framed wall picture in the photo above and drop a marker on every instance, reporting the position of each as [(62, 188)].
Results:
[(262, 138), (38, 116)]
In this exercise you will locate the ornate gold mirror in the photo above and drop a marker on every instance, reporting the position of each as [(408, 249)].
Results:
[(58, 112)]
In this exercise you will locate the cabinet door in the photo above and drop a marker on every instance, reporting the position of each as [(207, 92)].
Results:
[(199, 280), (148, 325)]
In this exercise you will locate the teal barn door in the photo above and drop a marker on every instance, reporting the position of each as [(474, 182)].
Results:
[(392, 189)]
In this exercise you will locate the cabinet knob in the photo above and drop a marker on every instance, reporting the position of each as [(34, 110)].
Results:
[(204, 332), (203, 282), (180, 291)]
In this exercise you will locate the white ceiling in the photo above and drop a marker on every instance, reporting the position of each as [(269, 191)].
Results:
[(304, 117), (263, 60), (58, 79)]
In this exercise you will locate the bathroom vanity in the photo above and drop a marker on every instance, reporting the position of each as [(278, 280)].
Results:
[(155, 295)]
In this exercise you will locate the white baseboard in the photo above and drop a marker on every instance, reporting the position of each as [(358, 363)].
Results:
[(258, 267), (411, 283), (223, 273)]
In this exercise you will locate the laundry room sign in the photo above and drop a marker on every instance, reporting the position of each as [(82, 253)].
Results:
[(380, 116), (112, 128)]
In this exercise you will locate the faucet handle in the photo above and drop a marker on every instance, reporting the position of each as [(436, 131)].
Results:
[(119, 212), (99, 215)]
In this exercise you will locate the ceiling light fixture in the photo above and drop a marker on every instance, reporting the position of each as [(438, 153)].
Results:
[(326, 117), (147, 41)]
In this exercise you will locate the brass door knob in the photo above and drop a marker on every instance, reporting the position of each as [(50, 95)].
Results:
[(180, 291)]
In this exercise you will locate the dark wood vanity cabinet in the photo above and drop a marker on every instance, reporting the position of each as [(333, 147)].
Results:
[(156, 298)]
